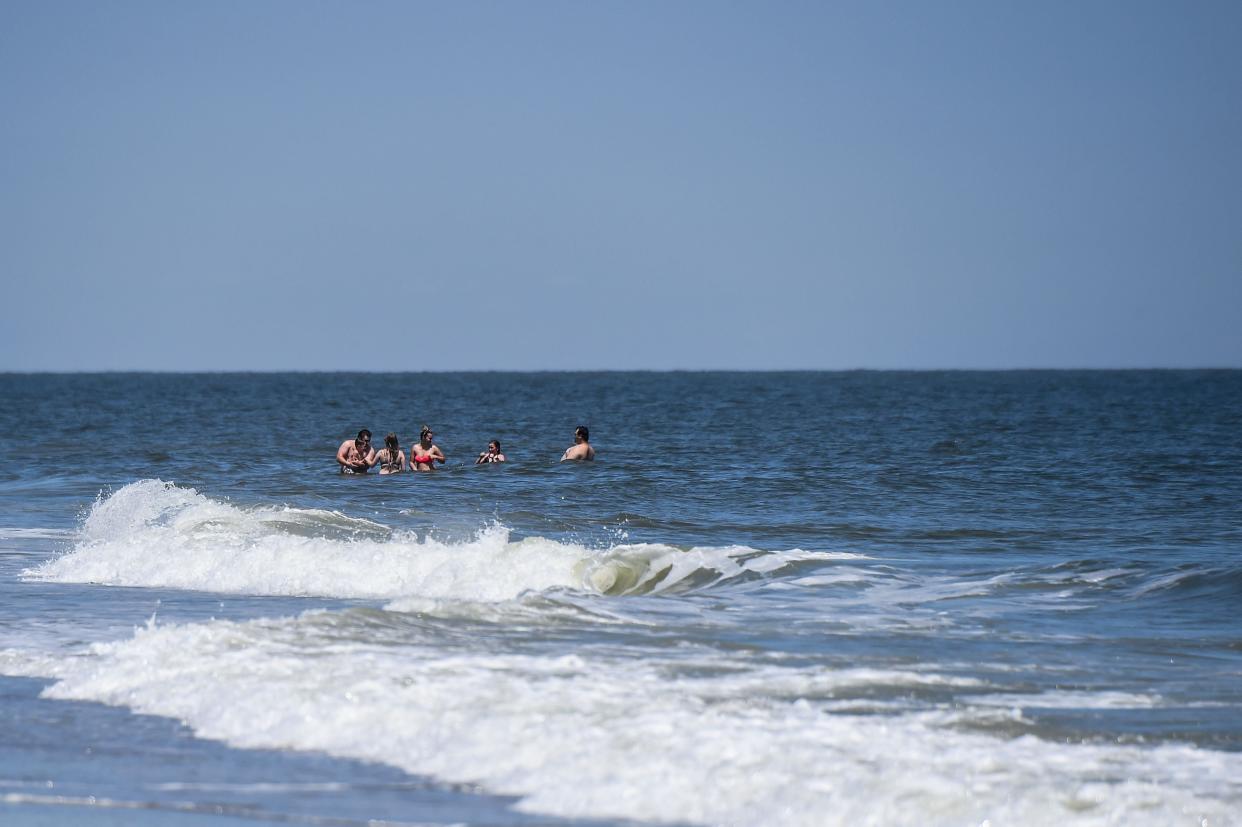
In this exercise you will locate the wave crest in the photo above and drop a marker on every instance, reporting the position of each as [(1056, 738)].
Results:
[(156, 534)]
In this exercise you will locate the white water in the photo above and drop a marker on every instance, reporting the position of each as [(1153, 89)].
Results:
[(616, 726), (155, 534), (689, 736)]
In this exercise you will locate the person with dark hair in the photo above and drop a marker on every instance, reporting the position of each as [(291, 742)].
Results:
[(392, 458), (492, 454), (581, 449), (425, 455), (356, 456)]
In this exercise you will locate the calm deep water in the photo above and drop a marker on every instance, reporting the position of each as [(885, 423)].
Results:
[(776, 598)]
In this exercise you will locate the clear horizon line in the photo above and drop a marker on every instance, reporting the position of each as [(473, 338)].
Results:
[(264, 371)]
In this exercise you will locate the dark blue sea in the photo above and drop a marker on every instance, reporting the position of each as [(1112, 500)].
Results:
[(928, 598)]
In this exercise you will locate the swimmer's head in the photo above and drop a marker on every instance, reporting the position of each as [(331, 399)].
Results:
[(363, 436), (494, 446), (425, 433), (581, 432), (391, 443)]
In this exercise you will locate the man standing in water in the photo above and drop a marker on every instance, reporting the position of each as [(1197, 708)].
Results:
[(581, 449), (356, 456)]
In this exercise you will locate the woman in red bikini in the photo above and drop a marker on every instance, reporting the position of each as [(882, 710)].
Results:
[(425, 455)]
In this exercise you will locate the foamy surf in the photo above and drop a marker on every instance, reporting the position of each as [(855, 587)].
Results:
[(157, 534), (34, 534), (697, 737)]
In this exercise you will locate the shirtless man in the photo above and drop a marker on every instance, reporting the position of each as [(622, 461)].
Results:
[(356, 456), (581, 449)]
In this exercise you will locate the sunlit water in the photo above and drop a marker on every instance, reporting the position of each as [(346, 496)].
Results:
[(786, 599)]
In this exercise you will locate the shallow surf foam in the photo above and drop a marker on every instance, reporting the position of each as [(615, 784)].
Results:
[(157, 534), (693, 736)]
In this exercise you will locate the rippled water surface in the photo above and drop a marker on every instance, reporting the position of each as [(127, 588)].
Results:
[(778, 598)]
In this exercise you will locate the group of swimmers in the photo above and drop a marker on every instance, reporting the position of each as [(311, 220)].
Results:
[(356, 456)]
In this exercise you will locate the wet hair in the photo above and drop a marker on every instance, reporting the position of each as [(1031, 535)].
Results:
[(392, 446), (495, 442), (364, 434), (583, 432), (423, 431)]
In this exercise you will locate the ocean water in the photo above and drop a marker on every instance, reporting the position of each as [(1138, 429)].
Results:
[(776, 599)]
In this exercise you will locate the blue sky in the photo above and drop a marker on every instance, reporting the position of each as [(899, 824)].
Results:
[(486, 185)]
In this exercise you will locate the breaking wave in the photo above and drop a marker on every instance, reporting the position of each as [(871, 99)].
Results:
[(157, 534)]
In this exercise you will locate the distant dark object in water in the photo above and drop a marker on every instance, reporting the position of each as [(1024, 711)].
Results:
[(947, 447)]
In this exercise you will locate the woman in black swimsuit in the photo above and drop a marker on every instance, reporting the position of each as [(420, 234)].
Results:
[(392, 458), (492, 454)]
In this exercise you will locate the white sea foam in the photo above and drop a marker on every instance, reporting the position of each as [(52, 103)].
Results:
[(156, 534), (35, 534), (1064, 699), (684, 733), (23, 662), (1104, 574), (589, 734)]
